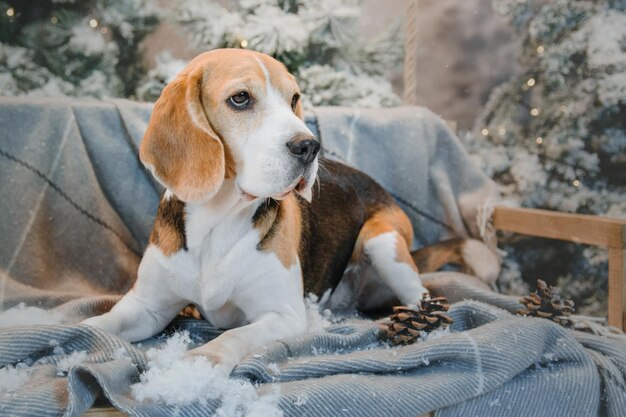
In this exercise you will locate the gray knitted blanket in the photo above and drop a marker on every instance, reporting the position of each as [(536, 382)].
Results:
[(76, 213)]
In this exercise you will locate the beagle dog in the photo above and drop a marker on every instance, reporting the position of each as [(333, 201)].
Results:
[(248, 225)]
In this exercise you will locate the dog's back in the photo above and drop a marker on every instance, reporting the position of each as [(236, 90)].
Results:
[(345, 200)]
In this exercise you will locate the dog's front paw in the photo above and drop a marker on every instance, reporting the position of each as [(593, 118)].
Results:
[(414, 298), (221, 361)]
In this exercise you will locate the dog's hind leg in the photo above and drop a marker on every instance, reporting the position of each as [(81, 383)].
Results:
[(384, 243), (470, 255)]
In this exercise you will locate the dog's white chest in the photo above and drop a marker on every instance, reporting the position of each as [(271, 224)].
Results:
[(222, 266), (217, 259)]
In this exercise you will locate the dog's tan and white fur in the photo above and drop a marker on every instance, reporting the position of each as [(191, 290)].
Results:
[(244, 229)]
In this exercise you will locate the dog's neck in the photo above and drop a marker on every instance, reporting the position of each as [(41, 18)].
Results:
[(228, 204)]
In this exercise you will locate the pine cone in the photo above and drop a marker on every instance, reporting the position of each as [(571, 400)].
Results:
[(191, 311), (408, 323), (547, 303)]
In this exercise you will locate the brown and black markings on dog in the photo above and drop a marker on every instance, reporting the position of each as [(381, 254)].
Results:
[(168, 232), (279, 224), (328, 226), (348, 208)]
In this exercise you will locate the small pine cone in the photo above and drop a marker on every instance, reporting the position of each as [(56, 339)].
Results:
[(408, 323), (547, 303), (191, 311)]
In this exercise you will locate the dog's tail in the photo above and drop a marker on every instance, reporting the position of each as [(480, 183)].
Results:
[(471, 255)]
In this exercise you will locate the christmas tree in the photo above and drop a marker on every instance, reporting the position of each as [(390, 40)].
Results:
[(554, 136), (317, 41), (71, 47)]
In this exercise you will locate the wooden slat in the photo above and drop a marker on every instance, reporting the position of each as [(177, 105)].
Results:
[(617, 288), (578, 228), (104, 412)]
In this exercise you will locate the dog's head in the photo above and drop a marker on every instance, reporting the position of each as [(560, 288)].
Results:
[(231, 113)]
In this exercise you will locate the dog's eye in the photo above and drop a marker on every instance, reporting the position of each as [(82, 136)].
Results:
[(241, 100), (294, 101)]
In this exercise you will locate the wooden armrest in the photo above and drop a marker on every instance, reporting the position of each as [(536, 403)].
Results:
[(578, 228)]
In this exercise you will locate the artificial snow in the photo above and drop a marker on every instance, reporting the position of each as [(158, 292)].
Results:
[(175, 379), (273, 367), (13, 378), (301, 399), (317, 316), (165, 70), (271, 30), (23, 315), (89, 42), (121, 353), (74, 359), (435, 334), (527, 171)]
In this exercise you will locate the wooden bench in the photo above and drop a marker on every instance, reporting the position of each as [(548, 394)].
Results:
[(582, 229)]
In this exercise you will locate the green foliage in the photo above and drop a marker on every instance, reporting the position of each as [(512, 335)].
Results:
[(554, 136), (8, 26), (318, 41), (567, 109), (86, 48)]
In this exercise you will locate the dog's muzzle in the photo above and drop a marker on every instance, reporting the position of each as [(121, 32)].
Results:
[(304, 147)]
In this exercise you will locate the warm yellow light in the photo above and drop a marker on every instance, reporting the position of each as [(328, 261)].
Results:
[(539, 140), (562, 108), (93, 23), (484, 132), (54, 20), (10, 12), (534, 112), (530, 82), (104, 30), (576, 183), (244, 43), (540, 49), (502, 131)]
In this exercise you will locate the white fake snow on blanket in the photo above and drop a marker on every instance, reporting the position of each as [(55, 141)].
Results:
[(317, 317), (172, 377), (175, 379), (23, 315), (73, 359), (13, 378)]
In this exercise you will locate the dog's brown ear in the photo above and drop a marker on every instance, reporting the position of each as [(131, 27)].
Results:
[(180, 147)]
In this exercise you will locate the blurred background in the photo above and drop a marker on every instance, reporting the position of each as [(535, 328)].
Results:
[(536, 89)]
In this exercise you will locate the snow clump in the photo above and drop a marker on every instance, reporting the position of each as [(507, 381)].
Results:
[(23, 315), (13, 377), (174, 379)]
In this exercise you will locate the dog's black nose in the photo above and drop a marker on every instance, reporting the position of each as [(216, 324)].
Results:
[(305, 150)]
